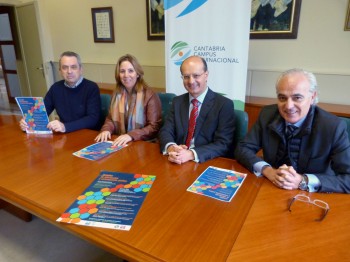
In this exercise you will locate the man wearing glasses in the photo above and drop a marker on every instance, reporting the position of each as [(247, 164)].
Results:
[(303, 146), (75, 99), (200, 124)]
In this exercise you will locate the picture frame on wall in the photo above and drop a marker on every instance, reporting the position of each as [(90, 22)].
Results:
[(155, 19), (347, 19), (102, 23), (278, 19)]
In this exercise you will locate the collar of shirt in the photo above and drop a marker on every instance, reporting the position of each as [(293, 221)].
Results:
[(297, 124), (199, 98), (76, 84)]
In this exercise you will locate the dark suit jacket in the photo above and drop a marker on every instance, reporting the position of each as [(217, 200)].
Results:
[(324, 152), (213, 136)]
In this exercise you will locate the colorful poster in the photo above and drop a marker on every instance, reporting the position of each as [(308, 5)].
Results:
[(111, 201), (98, 150), (218, 183), (34, 113)]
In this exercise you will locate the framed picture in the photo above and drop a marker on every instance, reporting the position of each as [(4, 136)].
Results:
[(155, 19), (347, 19), (277, 19), (102, 23)]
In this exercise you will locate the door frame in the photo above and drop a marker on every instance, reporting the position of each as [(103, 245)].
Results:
[(14, 42)]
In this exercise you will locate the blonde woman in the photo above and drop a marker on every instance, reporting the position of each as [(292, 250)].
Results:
[(135, 110)]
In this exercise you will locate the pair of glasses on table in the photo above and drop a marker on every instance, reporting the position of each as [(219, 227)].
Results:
[(319, 203)]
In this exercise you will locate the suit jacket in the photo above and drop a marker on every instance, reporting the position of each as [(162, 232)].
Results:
[(214, 132), (324, 149)]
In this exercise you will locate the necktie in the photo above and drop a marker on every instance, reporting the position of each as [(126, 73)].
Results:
[(290, 131), (192, 122)]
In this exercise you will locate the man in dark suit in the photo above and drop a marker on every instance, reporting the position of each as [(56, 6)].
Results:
[(303, 146), (212, 133)]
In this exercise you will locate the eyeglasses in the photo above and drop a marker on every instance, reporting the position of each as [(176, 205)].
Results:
[(194, 76), (316, 202)]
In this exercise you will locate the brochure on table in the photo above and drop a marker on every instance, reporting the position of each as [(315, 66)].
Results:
[(34, 113), (111, 201), (218, 183), (98, 150)]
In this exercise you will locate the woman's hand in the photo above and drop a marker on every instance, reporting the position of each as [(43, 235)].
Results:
[(122, 140), (103, 136)]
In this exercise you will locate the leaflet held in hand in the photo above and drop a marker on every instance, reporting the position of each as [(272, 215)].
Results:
[(34, 113)]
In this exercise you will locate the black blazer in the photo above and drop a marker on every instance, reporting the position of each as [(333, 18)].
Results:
[(324, 152), (215, 126)]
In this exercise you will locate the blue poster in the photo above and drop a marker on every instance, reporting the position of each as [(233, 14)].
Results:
[(111, 201), (218, 183), (34, 113), (98, 150)]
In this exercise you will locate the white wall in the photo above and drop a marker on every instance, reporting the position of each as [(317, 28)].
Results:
[(321, 46)]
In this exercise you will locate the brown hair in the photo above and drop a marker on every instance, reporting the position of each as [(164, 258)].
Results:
[(140, 82)]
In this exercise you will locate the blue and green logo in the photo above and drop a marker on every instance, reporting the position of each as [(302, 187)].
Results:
[(192, 6), (179, 52)]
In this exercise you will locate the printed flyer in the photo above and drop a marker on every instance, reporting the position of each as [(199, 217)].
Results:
[(218, 183), (98, 150), (111, 201)]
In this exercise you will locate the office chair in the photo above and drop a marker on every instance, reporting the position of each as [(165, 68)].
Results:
[(241, 123), (166, 100), (347, 121), (105, 102)]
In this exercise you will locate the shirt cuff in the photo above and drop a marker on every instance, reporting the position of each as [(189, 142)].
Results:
[(314, 183), (258, 166), (165, 152), (195, 156)]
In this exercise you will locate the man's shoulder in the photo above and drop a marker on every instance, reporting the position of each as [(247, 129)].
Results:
[(269, 114), (90, 83), (269, 110), (219, 98), (181, 98), (271, 107), (324, 116), (58, 83)]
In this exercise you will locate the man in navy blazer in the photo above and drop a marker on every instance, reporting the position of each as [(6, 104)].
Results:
[(315, 157), (215, 125)]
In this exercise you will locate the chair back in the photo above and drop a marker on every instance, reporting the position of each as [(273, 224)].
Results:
[(105, 102), (166, 100), (241, 124), (347, 121)]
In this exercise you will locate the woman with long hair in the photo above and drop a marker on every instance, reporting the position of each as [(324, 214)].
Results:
[(135, 110)]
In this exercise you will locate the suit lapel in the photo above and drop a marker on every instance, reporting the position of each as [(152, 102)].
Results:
[(184, 115), (205, 109)]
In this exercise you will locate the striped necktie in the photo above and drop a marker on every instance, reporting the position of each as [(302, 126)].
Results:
[(192, 122), (290, 131)]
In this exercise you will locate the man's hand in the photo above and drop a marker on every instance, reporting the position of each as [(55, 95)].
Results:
[(284, 177), (56, 126), (179, 154), (23, 124)]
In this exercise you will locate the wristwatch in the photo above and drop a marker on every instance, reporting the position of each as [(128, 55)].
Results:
[(303, 183)]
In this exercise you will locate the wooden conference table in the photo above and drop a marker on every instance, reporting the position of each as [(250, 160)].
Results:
[(40, 175)]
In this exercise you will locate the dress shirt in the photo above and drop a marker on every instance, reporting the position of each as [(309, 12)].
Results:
[(76, 84), (200, 100)]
